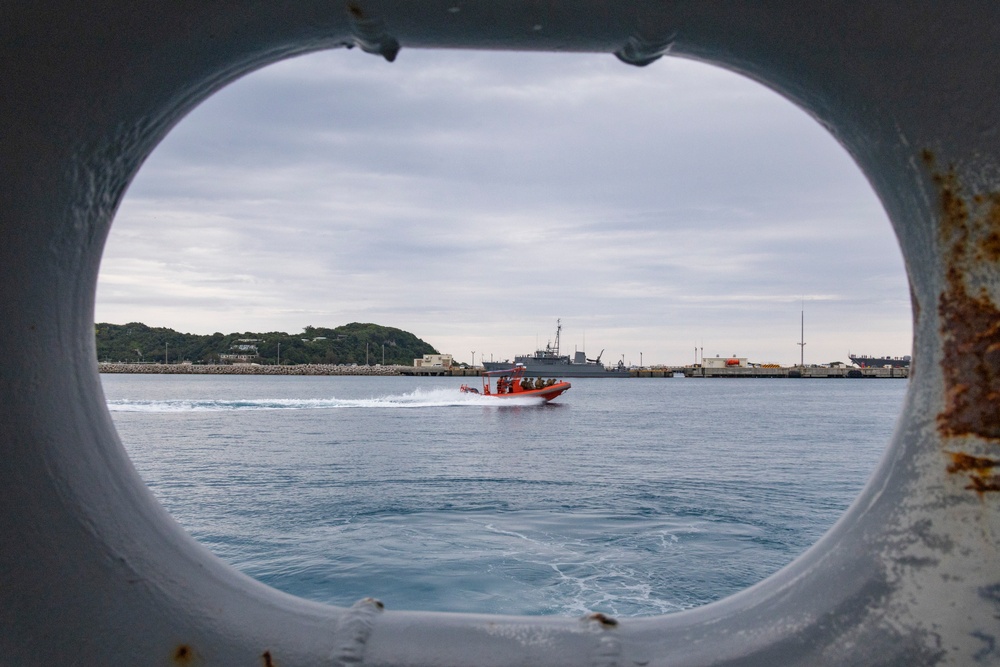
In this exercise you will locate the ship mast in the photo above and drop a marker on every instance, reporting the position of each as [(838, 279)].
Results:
[(558, 331), (802, 343)]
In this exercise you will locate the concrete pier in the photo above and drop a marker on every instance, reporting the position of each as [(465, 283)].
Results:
[(246, 369), (780, 372), (299, 369), (430, 371)]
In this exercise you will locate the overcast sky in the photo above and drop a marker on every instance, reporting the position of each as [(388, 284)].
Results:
[(473, 198)]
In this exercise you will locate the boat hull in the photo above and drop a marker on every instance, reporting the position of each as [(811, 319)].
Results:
[(548, 393), (864, 361)]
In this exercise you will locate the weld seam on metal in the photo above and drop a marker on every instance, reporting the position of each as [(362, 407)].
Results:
[(353, 630), (640, 51), (372, 35), (608, 648), (608, 651)]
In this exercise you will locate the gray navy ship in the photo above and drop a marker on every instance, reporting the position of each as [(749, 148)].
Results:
[(864, 361), (548, 363)]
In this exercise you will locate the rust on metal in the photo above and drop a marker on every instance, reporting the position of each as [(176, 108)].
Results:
[(989, 247), (183, 655), (970, 320), (962, 462), (266, 657), (984, 484), (979, 471), (356, 11), (915, 304), (603, 619)]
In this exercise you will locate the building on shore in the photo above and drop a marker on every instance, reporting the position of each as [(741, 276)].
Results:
[(243, 351), (434, 361), (724, 362)]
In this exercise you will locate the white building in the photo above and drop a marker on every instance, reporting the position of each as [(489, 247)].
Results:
[(724, 362), (243, 351), (434, 361)]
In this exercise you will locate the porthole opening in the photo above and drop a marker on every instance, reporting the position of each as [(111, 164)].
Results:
[(667, 215)]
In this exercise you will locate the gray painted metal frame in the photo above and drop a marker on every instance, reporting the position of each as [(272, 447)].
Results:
[(93, 571)]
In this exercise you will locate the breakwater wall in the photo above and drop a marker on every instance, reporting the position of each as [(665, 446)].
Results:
[(425, 371), (773, 372), (246, 369)]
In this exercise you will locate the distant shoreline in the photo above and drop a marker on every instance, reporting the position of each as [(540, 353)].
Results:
[(246, 369), (804, 372)]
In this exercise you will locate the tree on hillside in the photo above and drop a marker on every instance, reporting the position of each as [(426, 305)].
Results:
[(352, 343)]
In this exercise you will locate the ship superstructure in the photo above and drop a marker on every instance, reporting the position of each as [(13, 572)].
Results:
[(548, 362)]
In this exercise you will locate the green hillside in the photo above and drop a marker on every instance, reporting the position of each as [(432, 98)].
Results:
[(353, 343)]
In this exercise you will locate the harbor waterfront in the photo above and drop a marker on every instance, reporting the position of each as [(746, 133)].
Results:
[(425, 371), (626, 497), (772, 372), (247, 369)]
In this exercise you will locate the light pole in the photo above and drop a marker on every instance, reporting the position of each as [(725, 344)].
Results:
[(279, 352), (473, 358), (640, 360), (166, 353), (383, 353), (802, 342)]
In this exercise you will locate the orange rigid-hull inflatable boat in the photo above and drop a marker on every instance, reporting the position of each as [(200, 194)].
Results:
[(511, 383)]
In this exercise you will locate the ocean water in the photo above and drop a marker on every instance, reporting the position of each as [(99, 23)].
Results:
[(632, 497)]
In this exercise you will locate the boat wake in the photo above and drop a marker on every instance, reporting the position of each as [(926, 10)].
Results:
[(437, 398)]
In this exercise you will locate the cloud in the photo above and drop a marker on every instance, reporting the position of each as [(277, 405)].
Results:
[(474, 197)]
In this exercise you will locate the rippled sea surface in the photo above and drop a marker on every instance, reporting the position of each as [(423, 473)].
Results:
[(628, 496)]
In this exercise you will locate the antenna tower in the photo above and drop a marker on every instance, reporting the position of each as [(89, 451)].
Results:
[(802, 341)]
